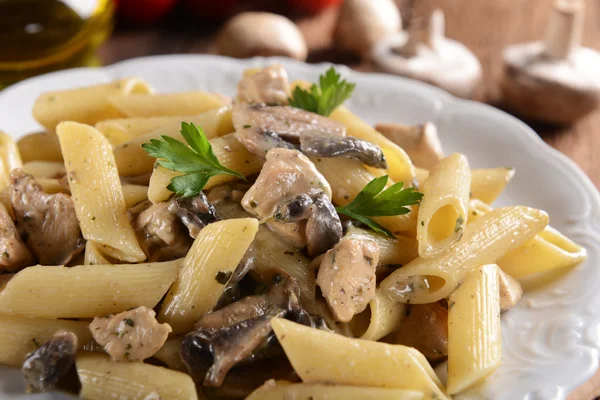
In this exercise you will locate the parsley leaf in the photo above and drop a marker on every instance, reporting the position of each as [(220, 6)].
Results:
[(373, 201), (331, 92), (197, 161)]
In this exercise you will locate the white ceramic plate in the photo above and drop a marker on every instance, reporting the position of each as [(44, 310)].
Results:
[(551, 340)]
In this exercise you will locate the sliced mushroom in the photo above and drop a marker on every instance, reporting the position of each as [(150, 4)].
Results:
[(195, 212), (295, 209), (321, 145), (260, 127), (14, 255), (347, 277), (269, 85), (44, 367), (421, 142), (510, 290), (46, 222), (132, 335), (323, 227)]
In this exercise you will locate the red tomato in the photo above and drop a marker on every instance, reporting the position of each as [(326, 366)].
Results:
[(144, 11), (313, 6), (207, 9)]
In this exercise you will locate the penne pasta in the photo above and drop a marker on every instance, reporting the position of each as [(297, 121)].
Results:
[(169, 354), (103, 379), (400, 250), (322, 357), (52, 186), (218, 249), (386, 315), (488, 239), (474, 337), (442, 215), (93, 255), (487, 184), (86, 105), (169, 104), (97, 193), (45, 169), (281, 390), (477, 208), (19, 336), (86, 291), (133, 194), (40, 146), (10, 157)]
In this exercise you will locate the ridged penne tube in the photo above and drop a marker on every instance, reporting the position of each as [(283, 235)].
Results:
[(119, 131), (10, 156), (442, 215), (318, 356), (421, 175), (386, 316), (93, 256), (477, 208), (166, 104), (400, 168), (230, 153), (474, 332), (281, 390), (169, 354), (45, 169), (103, 379), (488, 239), (40, 146), (133, 194), (132, 159), (400, 250), (347, 178), (20, 336), (218, 249), (96, 191), (52, 186), (86, 291), (488, 183), (549, 250), (86, 105)]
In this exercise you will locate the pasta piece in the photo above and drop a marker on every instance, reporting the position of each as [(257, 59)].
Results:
[(218, 249), (549, 250), (488, 239), (421, 175), (86, 291), (87, 104), (93, 256), (52, 186), (120, 131), (442, 213), (10, 156), (96, 191), (133, 194), (230, 153), (474, 332), (40, 146), (477, 208), (386, 316), (318, 357), (132, 159), (347, 178), (400, 250), (20, 336), (169, 354), (282, 390), (45, 169), (103, 379), (169, 104), (487, 184)]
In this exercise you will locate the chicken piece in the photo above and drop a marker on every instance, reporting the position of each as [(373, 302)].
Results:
[(347, 277), (14, 255), (260, 127), (510, 290), (44, 367), (46, 222), (132, 335), (426, 329), (421, 142), (269, 85)]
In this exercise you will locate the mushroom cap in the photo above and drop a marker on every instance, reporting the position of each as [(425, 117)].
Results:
[(251, 34), (362, 23), (449, 65), (553, 90)]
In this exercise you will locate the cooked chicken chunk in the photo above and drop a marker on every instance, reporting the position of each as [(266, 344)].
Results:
[(426, 329), (14, 255), (510, 290), (44, 367), (420, 142), (132, 335), (260, 127), (269, 85), (347, 277), (47, 222)]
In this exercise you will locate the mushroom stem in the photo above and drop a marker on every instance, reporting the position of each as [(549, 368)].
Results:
[(428, 33), (564, 31), (434, 32)]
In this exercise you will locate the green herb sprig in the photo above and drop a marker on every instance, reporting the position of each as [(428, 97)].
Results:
[(323, 99), (197, 161), (373, 201)]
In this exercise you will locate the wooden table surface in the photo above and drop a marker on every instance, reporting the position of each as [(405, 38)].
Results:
[(486, 27)]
